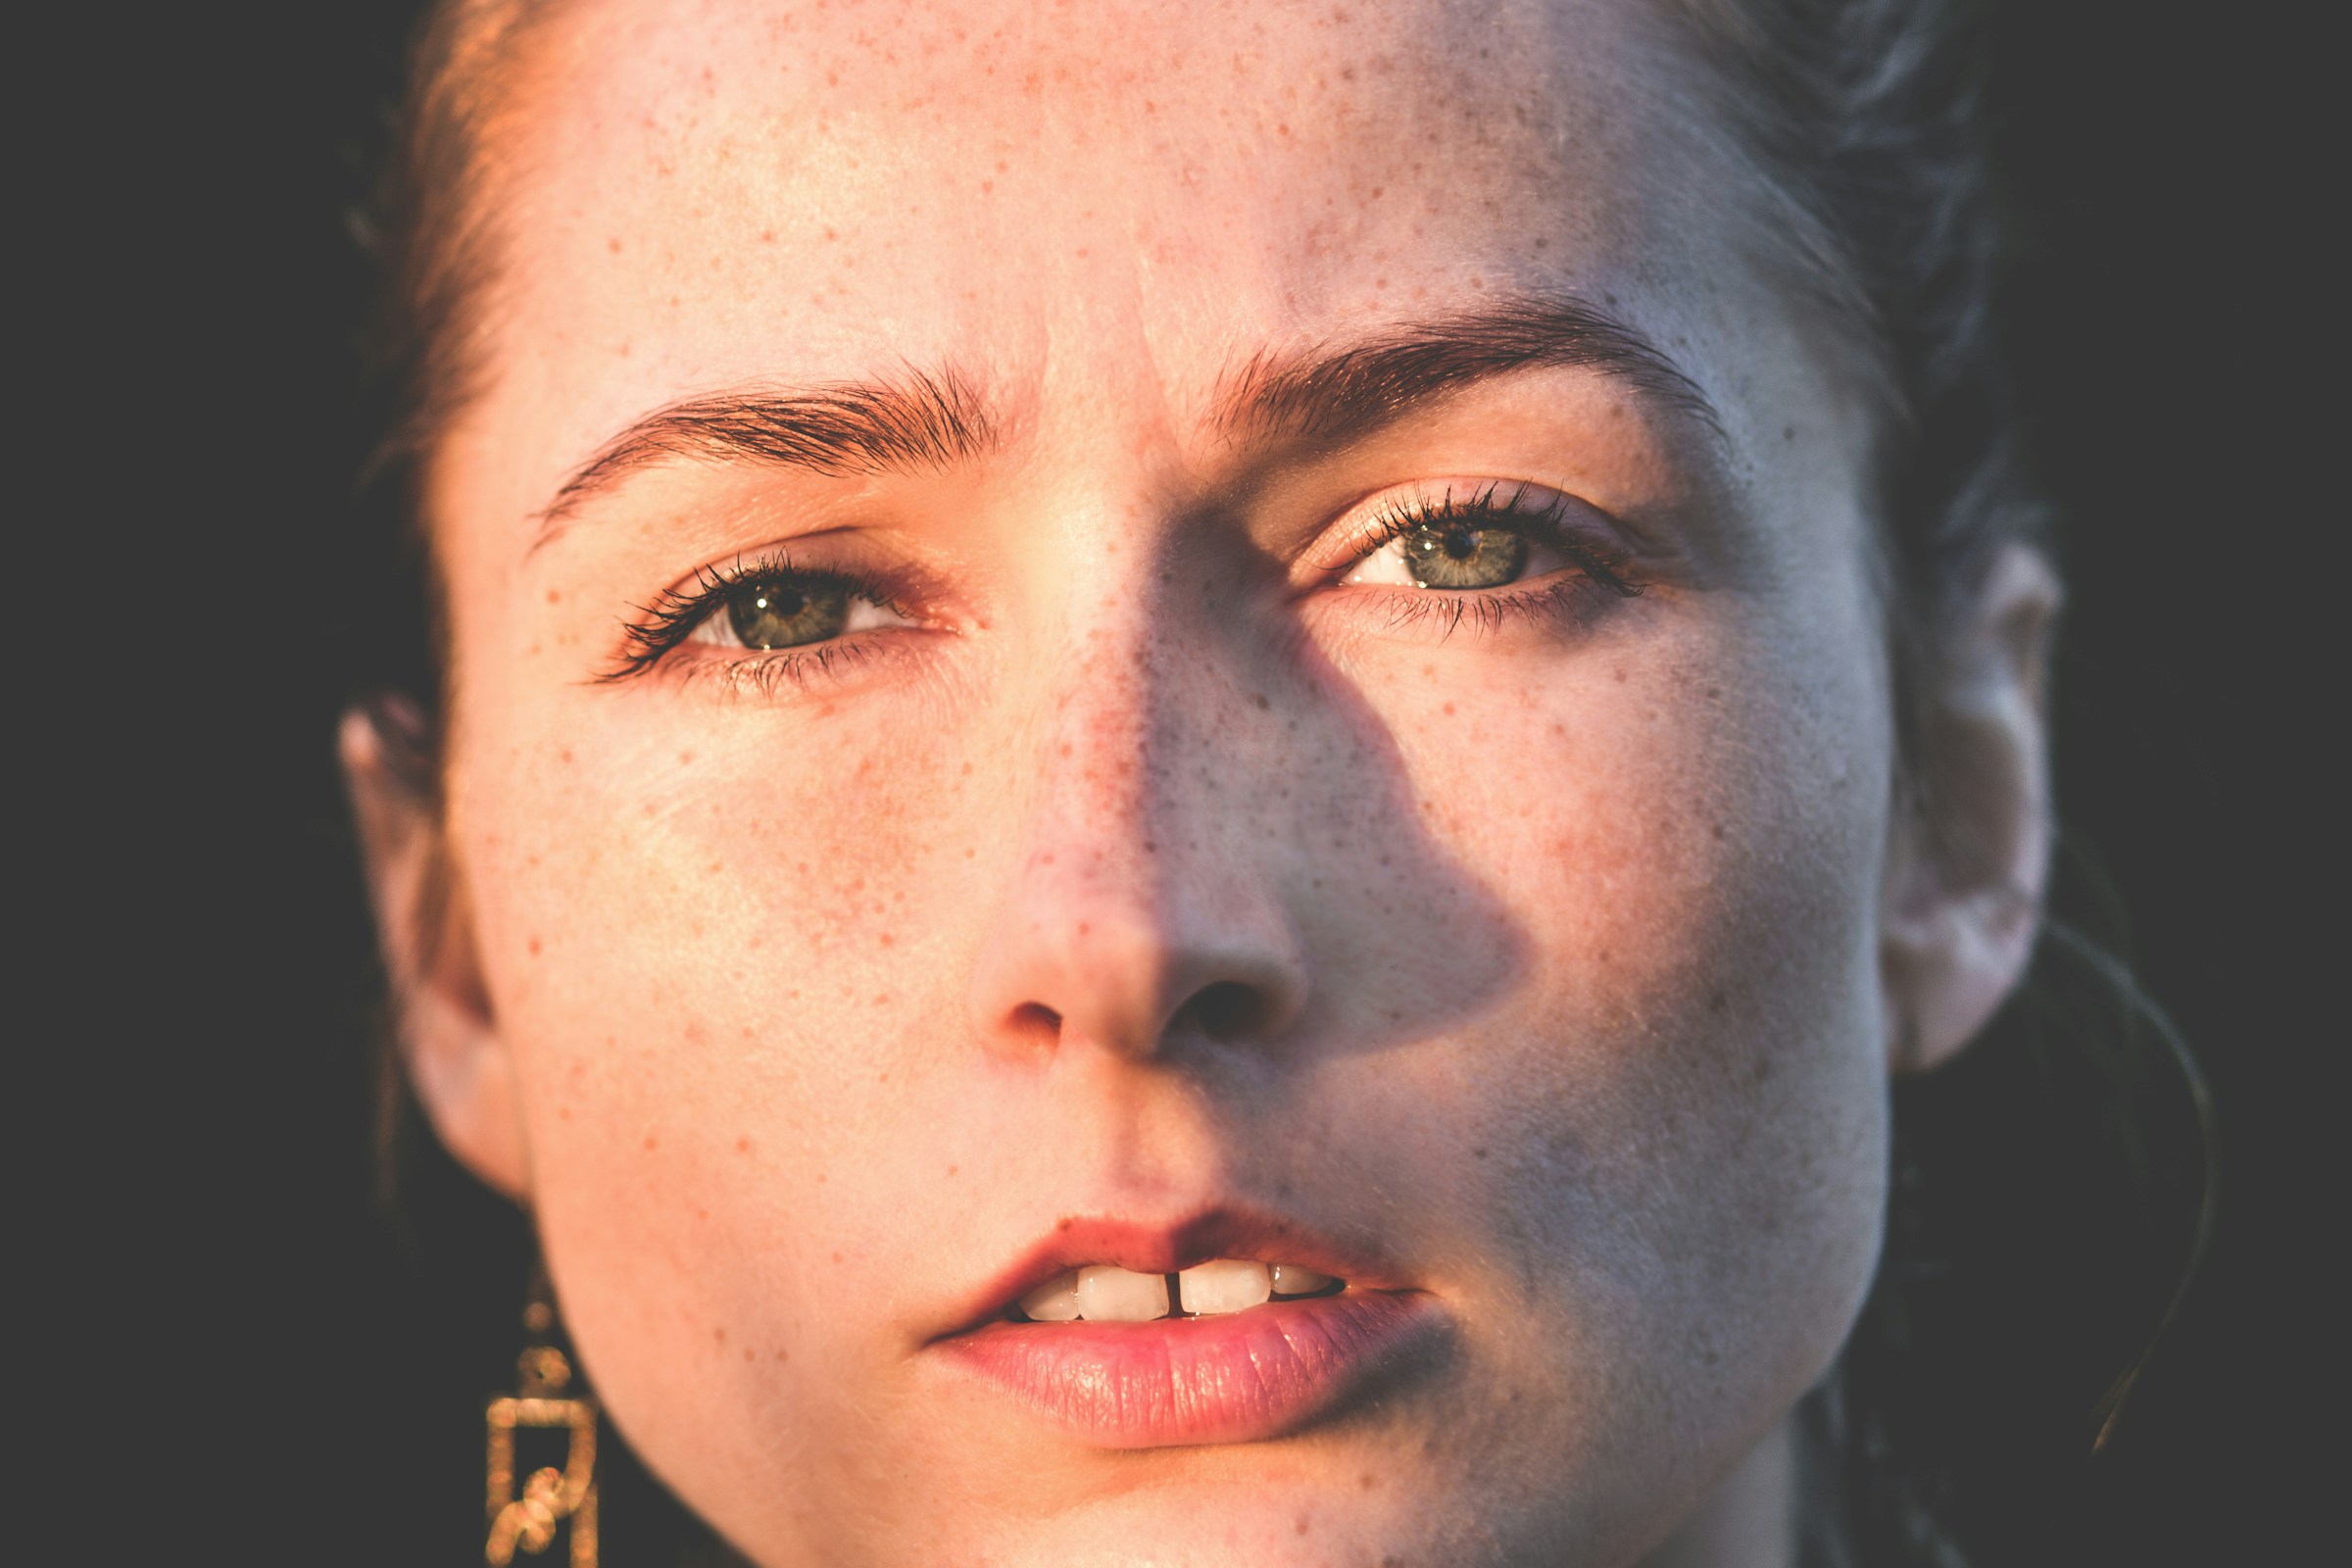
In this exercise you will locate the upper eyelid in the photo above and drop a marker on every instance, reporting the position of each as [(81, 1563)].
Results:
[(1380, 518)]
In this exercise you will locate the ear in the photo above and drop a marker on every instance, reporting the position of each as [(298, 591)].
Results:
[(1969, 864), (448, 1039)]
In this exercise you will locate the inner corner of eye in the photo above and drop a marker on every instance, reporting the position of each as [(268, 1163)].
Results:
[(1383, 567)]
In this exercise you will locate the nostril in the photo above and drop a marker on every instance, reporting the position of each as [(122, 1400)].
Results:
[(1226, 1009), (1036, 1023)]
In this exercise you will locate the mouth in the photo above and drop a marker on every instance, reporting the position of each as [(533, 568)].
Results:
[(1225, 1327)]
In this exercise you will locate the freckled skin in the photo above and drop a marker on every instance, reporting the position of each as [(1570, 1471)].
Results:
[(824, 1006)]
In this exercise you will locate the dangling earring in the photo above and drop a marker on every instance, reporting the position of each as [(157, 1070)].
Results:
[(551, 1495)]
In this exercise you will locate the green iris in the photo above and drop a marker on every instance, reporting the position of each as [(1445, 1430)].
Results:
[(769, 614), (1453, 555)]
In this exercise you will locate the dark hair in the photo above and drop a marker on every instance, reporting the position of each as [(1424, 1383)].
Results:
[(1986, 1360)]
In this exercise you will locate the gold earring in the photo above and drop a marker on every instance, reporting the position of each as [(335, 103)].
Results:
[(551, 1496)]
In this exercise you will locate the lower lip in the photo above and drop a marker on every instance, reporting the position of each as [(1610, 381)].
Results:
[(1236, 1377)]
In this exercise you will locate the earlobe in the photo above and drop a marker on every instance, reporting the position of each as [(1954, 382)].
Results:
[(448, 1033), (1968, 865)]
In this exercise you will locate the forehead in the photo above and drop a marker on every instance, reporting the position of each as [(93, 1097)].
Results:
[(705, 195)]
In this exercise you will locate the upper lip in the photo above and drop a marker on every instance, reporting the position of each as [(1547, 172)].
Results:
[(1169, 1246)]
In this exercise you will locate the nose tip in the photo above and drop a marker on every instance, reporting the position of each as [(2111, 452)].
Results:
[(1128, 963)]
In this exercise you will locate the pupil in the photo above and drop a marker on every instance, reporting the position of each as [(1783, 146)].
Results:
[(1461, 543)]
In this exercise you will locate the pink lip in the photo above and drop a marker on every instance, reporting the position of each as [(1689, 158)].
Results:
[(1231, 1378)]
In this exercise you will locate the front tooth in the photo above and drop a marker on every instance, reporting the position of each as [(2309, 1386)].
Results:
[(1107, 1294), (1227, 1285), (1054, 1302), (1292, 1280)]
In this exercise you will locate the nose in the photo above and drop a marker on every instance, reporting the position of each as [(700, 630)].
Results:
[(1145, 903)]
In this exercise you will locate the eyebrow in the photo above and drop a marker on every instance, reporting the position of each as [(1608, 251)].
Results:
[(1328, 395), (1335, 396), (914, 422)]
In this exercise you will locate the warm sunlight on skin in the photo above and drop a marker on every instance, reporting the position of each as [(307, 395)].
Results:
[(1137, 845)]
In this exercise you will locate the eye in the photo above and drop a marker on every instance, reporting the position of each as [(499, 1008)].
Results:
[(766, 611), (1459, 541), (1451, 554), (764, 614), (766, 607)]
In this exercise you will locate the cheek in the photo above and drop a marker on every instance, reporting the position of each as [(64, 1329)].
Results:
[(1678, 1122), (717, 979)]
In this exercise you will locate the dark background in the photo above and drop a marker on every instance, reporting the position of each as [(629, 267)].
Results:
[(267, 1368)]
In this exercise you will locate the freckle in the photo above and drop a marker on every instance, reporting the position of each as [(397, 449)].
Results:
[(650, 1142), (747, 1030), (836, 1258), (1449, 710), (1301, 1524), (701, 1213), (1368, 1482), (747, 1353), (1787, 433), (967, 770), (950, 1172), (649, 807), (1719, 830), (613, 245), (565, 756), (1061, 1224), (1478, 1153), (720, 1335), (969, 852), (554, 598), (685, 757), (1718, 1001), (534, 946), (742, 1146), (1620, 677), (783, 1355), (1260, 699), (562, 1113)]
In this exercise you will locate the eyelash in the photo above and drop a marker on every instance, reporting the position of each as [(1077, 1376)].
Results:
[(676, 612), (1599, 569)]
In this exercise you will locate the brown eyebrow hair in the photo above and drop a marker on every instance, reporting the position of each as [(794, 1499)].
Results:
[(915, 422), (1336, 395), (1327, 395)]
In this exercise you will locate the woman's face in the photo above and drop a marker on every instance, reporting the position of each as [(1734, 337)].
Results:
[(1324, 706)]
